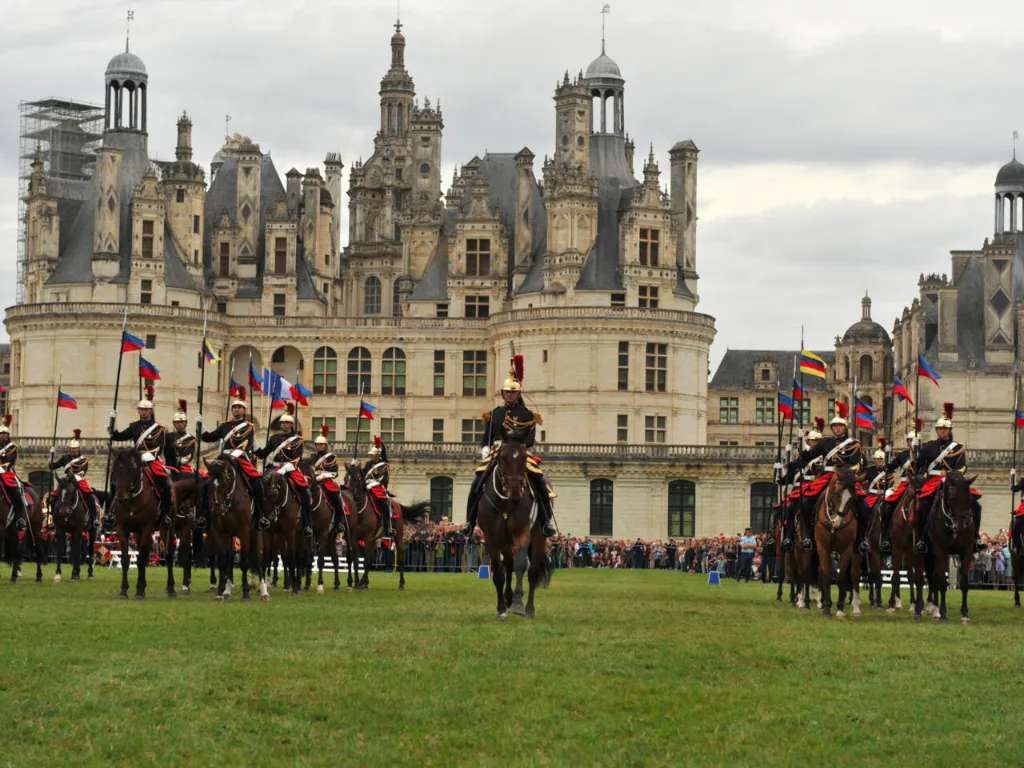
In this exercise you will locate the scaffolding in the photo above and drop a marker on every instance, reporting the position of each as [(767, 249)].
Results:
[(66, 133)]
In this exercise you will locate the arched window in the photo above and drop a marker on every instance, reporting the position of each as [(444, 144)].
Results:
[(601, 502), (441, 498), (866, 368), (846, 367), (392, 375), (682, 508), (396, 301), (762, 497), (371, 296), (325, 371), (358, 371)]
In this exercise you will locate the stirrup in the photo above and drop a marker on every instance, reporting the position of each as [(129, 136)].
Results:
[(807, 544), (885, 545), (920, 546), (19, 524), (787, 544), (308, 531), (863, 546), (263, 523)]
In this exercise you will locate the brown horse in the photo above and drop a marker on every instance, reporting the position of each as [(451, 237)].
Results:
[(366, 527), (1017, 556), (803, 564), (230, 505), (835, 530), (325, 529), (33, 534), (180, 534), (507, 515), (136, 511), (70, 512), (903, 560), (284, 536), (950, 531), (874, 558)]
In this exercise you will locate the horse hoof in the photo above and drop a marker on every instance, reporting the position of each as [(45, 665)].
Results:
[(221, 597), (337, 587), (942, 619), (186, 590), (244, 598), (856, 612), (211, 588), (123, 595), (140, 596), (401, 587), (171, 593), (265, 598), (965, 620), (502, 616), (91, 576), (890, 610), (56, 578), (518, 610), (840, 614), (319, 589), (76, 578)]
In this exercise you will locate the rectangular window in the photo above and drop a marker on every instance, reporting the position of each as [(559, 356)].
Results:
[(601, 503), (766, 374), (150, 341), (622, 428), (441, 310), (279, 304), (179, 195), (623, 366), (474, 373), (392, 373), (763, 442), (280, 255), (764, 410), (392, 430), (332, 426), (654, 429), (354, 429), (648, 297), (325, 372), (472, 431), (728, 443), (195, 224), (146, 292), (437, 430), (478, 306), (729, 410), (147, 239), (478, 257), (656, 368), (831, 409), (222, 307), (649, 246), (682, 508), (803, 410), (618, 300), (225, 260), (439, 372)]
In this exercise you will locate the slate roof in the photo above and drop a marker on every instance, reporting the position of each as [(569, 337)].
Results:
[(736, 371)]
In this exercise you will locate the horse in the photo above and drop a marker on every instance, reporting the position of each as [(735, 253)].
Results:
[(136, 510), (284, 536), (902, 539), (835, 530), (1017, 556), (324, 533), (33, 532), (507, 515), (874, 557), (950, 531), (366, 527), (182, 530), (230, 506), (69, 509), (802, 565)]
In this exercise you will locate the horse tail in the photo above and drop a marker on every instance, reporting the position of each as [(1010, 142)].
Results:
[(545, 570), (416, 511)]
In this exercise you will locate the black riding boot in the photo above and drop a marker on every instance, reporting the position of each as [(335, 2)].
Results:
[(886, 542), (18, 514), (202, 512), (94, 511), (920, 525), (788, 526), (863, 523), (165, 502), (976, 514), (338, 520), (471, 500), (258, 515), (808, 514), (306, 505), (547, 515), (384, 505)]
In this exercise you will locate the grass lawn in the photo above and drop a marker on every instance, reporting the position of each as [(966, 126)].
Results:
[(618, 668)]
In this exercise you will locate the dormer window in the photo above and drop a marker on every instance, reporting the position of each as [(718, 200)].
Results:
[(766, 374)]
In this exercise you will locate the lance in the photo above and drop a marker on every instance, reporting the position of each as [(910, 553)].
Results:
[(113, 412), (53, 445), (1016, 409), (202, 387)]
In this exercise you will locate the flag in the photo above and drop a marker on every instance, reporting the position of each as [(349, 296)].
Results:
[(786, 406), (1019, 419), (211, 357), (131, 343), (864, 415), (234, 387), (147, 370), (798, 391), (901, 391), (300, 394), (64, 400), (812, 365), (924, 369), (366, 410), (255, 381), (279, 390)]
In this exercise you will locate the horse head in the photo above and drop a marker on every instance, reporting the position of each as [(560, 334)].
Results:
[(276, 489), (510, 472), (956, 500), (221, 481), (841, 496), (126, 474), (67, 499), (354, 480)]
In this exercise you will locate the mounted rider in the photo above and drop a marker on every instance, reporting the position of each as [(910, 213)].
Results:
[(12, 485), (236, 437), (281, 455), (75, 464), (184, 441), (934, 459), (377, 474), (325, 470), (876, 478), (151, 441), (512, 420), (801, 476), (836, 450), (899, 466)]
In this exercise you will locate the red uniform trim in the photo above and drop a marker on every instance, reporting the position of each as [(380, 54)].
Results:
[(932, 484), (157, 468), (1019, 511), (10, 478), (298, 478), (246, 466), (330, 485), (897, 492), (186, 469), (83, 486), (379, 491), (872, 498)]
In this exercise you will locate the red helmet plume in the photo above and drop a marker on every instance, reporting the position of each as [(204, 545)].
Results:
[(377, 441), (240, 393), (517, 367), (819, 423), (882, 442), (290, 407), (183, 406), (325, 429), (947, 408), (8, 418), (918, 424), (77, 433), (150, 390), (842, 409)]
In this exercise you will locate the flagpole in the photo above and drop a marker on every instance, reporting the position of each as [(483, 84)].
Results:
[(56, 415), (140, 374), (359, 423), (113, 412), (917, 406), (803, 395), (1016, 428), (202, 386)]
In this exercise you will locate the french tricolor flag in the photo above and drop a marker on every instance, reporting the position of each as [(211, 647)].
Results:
[(366, 410)]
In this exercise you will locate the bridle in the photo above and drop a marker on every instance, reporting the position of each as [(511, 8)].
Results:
[(76, 492), (220, 507), (834, 520), (134, 490)]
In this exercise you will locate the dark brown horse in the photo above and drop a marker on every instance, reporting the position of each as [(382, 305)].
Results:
[(874, 558), (230, 505), (325, 529), (179, 535), (33, 533), (136, 511), (507, 515), (902, 538), (69, 510), (1017, 556), (835, 530), (950, 530), (283, 538), (366, 527)]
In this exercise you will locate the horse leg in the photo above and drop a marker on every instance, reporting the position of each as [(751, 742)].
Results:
[(40, 550), (894, 586), (186, 548), (334, 562), (92, 551), (825, 583), (510, 567), (498, 577), (520, 562), (399, 545), (124, 563), (319, 568), (854, 576), (58, 538), (76, 556), (964, 618), (169, 552), (1018, 577)]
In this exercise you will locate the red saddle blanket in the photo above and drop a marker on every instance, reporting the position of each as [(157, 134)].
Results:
[(10, 478), (156, 468), (247, 467), (83, 486), (932, 484), (330, 486)]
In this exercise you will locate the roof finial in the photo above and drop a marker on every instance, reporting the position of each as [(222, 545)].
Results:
[(128, 28), (1015, 137), (227, 130), (605, 10), (398, 17)]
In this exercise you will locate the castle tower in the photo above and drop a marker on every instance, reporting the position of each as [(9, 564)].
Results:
[(184, 191), (247, 211), (396, 90), (42, 232), (126, 87), (572, 123), (683, 179), (332, 170)]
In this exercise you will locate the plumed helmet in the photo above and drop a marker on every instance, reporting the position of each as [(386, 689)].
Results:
[(321, 439), (285, 418), (5, 428), (182, 413), (147, 401), (239, 398), (374, 450), (842, 411), (879, 454), (814, 435), (75, 441), (946, 420), (514, 381)]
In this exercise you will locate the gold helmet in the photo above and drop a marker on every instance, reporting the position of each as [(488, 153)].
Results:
[(147, 401), (76, 440), (5, 427), (514, 380), (182, 413), (321, 439), (946, 420)]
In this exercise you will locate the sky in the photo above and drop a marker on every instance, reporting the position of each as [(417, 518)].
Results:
[(844, 148)]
